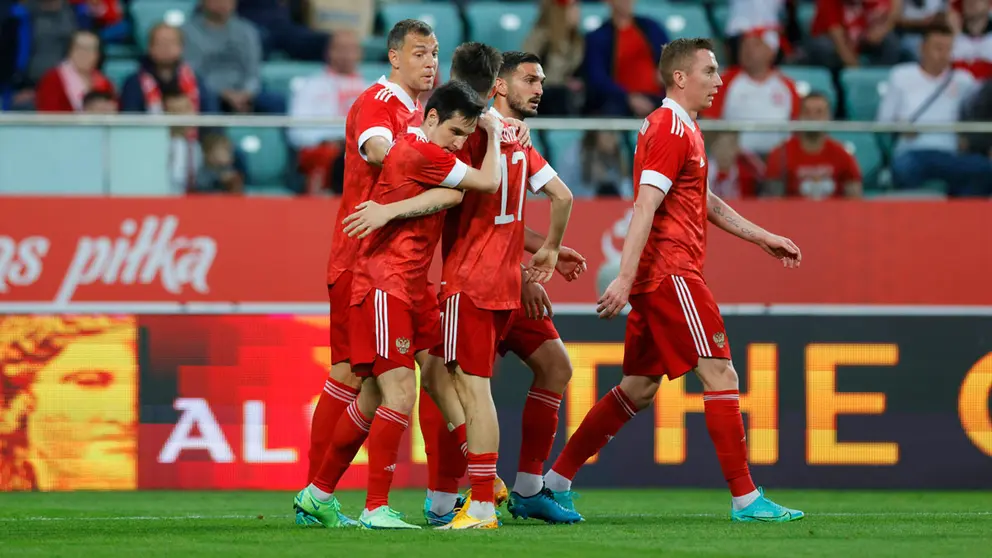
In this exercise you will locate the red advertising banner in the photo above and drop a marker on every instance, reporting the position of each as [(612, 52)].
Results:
[(65, 253)]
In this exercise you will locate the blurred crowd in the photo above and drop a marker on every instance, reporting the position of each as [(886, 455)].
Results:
[(932, 59)]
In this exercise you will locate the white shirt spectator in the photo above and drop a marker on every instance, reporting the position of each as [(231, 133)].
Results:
[(325, 95), (185, 160), (745, 15), (774, 99), (909, 88)]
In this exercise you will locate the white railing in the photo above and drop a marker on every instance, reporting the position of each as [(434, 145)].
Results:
[(260, 121)]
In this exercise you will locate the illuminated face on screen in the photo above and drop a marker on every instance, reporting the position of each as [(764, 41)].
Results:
[(84, 426)]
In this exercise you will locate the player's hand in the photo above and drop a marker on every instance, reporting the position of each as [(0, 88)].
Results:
[(614, 299), (522, 130), (369, 217), (783, 249), (542, 266), (570, 264), (491, 124), (535, 300)]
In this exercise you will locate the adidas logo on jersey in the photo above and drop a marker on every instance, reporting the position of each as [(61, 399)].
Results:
[(384, 95), (391, 468)]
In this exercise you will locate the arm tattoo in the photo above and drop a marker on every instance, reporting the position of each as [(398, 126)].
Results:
[(422, 212), (718, 208)]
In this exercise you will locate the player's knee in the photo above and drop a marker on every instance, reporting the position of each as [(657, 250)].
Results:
[(717, 374), (341, 373), (369, 398), (640, 389), (399, 390), (552, 368)]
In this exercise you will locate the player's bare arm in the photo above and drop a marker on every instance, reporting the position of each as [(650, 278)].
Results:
[(375, 149), (615, 297), (543, 263), (570, 265), (724, 216), (371, 216), (487, 178)]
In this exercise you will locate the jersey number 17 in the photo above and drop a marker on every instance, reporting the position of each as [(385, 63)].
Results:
[(518, 158)]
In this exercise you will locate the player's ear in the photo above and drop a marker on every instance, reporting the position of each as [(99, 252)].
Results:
[(431, 118), (501, 88), (394, 58)]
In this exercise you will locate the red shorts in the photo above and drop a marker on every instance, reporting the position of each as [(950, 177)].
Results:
[(470, 335), (525, 335), (670, 328), (340, 295), (387, 332)]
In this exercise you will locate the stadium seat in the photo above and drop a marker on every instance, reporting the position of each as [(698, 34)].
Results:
[(266, 154), (118, 70), (372, 71), (504, 26), (812, 78), (149, 13), (865, 149), (863, 89), (284, 76), (720, 16), (558, 143), (443, 18), (805, 13), (679, 20)]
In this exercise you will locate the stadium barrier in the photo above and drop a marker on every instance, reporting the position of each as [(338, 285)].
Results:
[(181, 343)]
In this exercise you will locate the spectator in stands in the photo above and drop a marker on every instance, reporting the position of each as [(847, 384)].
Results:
[(931, 91), (52, 24), (597, 166), (226, 50), (163, 69), (105, 17), (185, 156), (756, 90), (811, 164), (621, 62), (745, 15), (973, 38), (558, 40), (218, 172), (846, 30), (63, 88), (917, 16), (99, 102), (328, 94), (979, 109), (734, 173), (278, 30)]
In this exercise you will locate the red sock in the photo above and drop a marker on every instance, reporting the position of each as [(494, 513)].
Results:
[(431, 423), (333, 401), (726, 427), (384, 445), (452, 462), (602, 423), (540, 426), (482, 474), (349, 435)]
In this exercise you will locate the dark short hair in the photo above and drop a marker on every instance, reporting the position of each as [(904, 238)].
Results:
[(678, 55), (938, 28), (513, 59), (397, 35), (816, 94), (455, 97), (476, 64), (97, 96)]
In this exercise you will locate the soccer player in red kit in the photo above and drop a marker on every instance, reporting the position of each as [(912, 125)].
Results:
[(394, 315), (383, 112), (675, 325)]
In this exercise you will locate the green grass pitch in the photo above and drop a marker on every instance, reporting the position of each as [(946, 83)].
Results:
[(851, 524)]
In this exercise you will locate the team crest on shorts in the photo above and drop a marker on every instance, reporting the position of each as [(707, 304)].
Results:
[(403, 345), (720, 339)]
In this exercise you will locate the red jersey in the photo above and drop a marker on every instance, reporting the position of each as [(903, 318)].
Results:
[(813, 175), (484, 235), (854, 16), (383, 110), (671, 156), (397, 257)]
